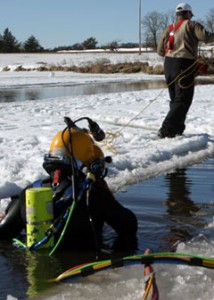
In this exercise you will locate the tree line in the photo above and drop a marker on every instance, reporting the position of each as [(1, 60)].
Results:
[(9, 44), (152, 26)]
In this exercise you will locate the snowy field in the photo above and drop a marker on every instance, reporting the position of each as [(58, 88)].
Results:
[(131, 121)]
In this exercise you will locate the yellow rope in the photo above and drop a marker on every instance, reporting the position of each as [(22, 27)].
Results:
[(184, 75), (148, 287), (111, 137)]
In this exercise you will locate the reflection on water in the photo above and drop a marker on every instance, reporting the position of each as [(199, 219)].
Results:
[(181, 209), (51, 91), (179, 202), (47, 92), (19, 94)]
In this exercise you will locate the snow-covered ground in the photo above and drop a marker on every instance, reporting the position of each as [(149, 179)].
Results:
[(27, 128), (131, 121)]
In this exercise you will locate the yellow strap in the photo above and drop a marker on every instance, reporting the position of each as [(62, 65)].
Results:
[(148, 287)]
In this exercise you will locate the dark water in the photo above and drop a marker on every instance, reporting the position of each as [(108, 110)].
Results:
[(173, 207), (47, 92), (169, 208), (51, 91)]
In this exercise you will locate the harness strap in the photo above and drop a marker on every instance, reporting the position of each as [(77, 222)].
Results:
[(56, 177), (171, 39)]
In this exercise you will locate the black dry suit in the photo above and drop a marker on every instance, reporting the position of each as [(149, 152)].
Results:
[(92, 211), (95, 205), (181, 95)]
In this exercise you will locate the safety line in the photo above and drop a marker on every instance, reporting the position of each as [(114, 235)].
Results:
[(162, 258)]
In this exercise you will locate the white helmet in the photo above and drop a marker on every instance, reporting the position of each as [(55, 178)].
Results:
[(183, 7)]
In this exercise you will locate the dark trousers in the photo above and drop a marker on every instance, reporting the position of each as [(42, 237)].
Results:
[(181, 94)]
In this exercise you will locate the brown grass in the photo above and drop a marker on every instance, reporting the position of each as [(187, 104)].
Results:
[(99, 68), (104, 67)]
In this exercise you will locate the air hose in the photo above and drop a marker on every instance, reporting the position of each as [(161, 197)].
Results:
[(71, 209), (146, 259), (69, 124)]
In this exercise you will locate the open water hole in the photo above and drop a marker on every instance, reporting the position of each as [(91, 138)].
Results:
[(170, 208), (175, 207)]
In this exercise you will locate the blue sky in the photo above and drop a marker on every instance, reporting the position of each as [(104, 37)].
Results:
[(66, 22)]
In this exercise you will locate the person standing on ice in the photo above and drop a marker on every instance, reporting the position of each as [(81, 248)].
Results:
[(179, 45)]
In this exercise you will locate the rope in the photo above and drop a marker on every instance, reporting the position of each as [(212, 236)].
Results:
[(184, 75), (111, 137), (148, 287)]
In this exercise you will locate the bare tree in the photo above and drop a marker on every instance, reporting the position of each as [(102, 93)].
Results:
[(153, 24), (210, 20), (167, 18)]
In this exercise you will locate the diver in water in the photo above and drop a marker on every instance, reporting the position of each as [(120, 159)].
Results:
[(76, 168)]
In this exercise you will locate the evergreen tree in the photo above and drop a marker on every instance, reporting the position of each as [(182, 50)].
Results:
[(32, 45), (90, 43), (9, 42)]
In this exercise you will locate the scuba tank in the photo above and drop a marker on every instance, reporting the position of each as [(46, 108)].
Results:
[(39, 215)]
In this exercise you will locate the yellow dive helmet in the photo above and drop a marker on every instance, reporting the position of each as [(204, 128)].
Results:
[(83, 147)]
